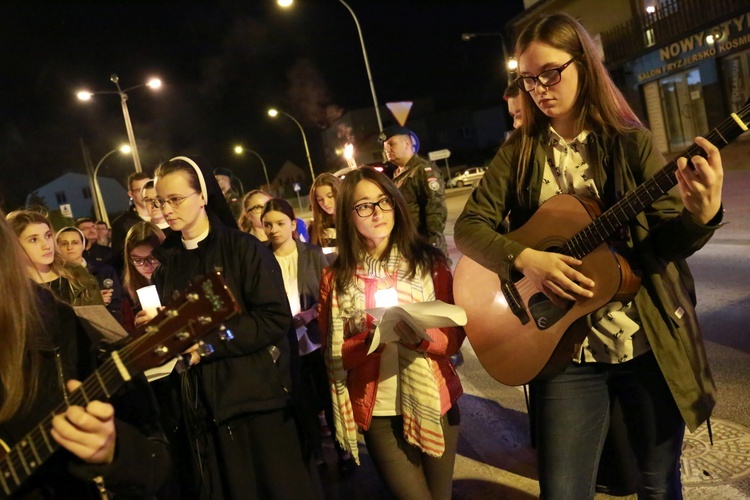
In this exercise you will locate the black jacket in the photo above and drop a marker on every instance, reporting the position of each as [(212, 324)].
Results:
[(141, 461), (310, 264), (241, 376)]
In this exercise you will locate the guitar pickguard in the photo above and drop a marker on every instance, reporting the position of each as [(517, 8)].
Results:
[(545, 312)]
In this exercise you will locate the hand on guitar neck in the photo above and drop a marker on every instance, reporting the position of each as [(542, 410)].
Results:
[(700, 186), (554, 275), (88, 433)]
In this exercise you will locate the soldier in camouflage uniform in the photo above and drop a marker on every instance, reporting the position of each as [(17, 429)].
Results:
[(419, 181)]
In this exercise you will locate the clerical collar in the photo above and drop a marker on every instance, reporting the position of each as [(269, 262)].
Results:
[(193, 244)]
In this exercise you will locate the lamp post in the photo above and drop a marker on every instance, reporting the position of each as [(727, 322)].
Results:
[(511, 65), (102, 209), (288, 3), (154, 83), (273, 113), (240, 150)]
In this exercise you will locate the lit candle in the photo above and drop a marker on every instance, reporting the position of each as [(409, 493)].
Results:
[(386, 297)]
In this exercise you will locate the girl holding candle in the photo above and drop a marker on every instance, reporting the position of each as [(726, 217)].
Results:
[(402, 396)]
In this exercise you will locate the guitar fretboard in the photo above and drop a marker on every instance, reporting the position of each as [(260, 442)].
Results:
[(636, 201), (37, 446)]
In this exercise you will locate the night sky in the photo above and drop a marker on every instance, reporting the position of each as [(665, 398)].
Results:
[(222, 65)]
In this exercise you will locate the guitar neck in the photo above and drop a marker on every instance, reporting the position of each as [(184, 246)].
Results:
[(636, 201), (37, 446)]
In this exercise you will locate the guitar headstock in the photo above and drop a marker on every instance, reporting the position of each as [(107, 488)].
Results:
[(192, 314)]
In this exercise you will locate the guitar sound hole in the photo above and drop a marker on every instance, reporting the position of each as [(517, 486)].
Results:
[(545, 312)]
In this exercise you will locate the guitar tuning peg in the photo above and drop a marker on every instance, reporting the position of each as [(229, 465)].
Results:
[(205, 349), (225, 333)]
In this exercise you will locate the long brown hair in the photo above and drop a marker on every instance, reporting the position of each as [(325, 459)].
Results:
[(19, 220), (321, 219), (142, 233), (599, 107), (18, 321), (352, 246)]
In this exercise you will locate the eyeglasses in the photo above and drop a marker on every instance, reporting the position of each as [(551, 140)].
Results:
[(172, 201), (367, 209), (547, 78), (254, 208), (141, 261)]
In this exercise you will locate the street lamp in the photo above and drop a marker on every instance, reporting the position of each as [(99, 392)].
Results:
[(510, 63), (101, 208), (238, 150), (273, 113), (288, 3), (154, 83)]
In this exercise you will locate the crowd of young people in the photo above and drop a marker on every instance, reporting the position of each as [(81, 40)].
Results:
[(243, 422)]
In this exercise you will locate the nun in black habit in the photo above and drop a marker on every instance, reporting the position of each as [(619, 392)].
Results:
[(233, 430)]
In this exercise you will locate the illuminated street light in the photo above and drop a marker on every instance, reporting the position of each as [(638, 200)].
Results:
[(99, 200), (238, 150), (154, 83), (273, 113), (288, 3)]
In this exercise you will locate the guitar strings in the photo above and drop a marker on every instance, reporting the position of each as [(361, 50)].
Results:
[(37, 441), (663, 180)]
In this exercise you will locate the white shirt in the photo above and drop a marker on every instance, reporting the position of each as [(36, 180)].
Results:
[(615, 335), (289, 272)]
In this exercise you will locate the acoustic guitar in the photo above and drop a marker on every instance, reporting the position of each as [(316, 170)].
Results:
[(517, 333), (191, 315)]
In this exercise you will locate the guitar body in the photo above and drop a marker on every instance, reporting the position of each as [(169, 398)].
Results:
[(517, 333), (513, 352)]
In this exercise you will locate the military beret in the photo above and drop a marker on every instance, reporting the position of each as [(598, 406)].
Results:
[(223, 171), (389, 132)]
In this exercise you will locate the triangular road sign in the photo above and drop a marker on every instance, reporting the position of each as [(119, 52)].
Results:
[(400, 110)]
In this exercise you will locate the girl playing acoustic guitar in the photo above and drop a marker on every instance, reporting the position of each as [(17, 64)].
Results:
[(580, 137)]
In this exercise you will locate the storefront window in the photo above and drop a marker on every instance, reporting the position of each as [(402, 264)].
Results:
[(683, 107), (736, 72)]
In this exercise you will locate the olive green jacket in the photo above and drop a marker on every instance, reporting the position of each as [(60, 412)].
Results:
[(83, 290), (422, 186), (661, 238)]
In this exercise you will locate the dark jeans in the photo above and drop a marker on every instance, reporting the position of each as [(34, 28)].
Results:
[(573, 411), (405, 469)]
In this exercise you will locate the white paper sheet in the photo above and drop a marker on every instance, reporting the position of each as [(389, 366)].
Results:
[(160, 371), (419, 316)]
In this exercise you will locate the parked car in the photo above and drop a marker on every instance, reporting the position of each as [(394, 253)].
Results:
[(469, 177)]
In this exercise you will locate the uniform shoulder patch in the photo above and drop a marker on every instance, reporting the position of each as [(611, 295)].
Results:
[(433, 184), (428, 169)]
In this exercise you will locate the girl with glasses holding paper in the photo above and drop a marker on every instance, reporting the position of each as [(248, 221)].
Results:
[(580, 137), (403, 396)]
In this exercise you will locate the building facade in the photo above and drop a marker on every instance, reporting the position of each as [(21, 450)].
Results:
[(683, 65)]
